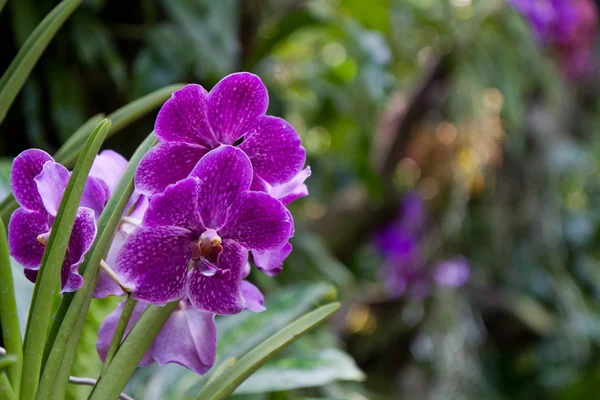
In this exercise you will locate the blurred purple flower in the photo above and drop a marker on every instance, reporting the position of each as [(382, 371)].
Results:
[(38, 184), (565, 27), (452, 273), (188, 338), (209, 220), (193, 122), (403, 270)]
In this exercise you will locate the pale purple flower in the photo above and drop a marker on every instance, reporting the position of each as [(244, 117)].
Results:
[(210, 221), (453, 272), (188, 338), (195, 121), (38, 184)]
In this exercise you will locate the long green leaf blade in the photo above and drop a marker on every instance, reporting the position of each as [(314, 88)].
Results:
[(226, 383), (139, 339), (15, 76), (121, 118), (49, 273), (64, 346), (9, 318)]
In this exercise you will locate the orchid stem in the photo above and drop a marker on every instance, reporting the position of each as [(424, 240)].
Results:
[(111, 274), (76, 380), (119, 331)]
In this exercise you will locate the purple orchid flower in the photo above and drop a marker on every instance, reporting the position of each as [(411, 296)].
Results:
[(209, 220), (453, 272), (194, 121), (567, 27), (188, 338), (38, 184)]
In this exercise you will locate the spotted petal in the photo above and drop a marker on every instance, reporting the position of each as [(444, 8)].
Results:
[(106, 286), (293, 189), (234, 104), (177, 206), (255, 301), (188, 338), (153, 263), (216, 294), (257, 221), (274, 149), (82, 238), (270, 262), (183, 118), (23, 229), (167, 163), (225, 173), (26, 167)]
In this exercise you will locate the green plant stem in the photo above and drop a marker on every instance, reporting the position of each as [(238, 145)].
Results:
[(56, 322), (223, 385), (129, 355), (6, 361), (15, 76), (48, 279), (2, 4), (6, 391), (119, 331), (9, 318)]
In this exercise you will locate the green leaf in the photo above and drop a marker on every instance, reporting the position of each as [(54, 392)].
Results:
[(312, 369), (6, 391), (120, 118), (15, 76), (68, 327), (9, 318), (227, 382), (7, 361), (49, 274), (139, 339)]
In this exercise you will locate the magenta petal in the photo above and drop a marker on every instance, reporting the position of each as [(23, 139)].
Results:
[(183, 118), (270, 262), (255, 300), (106, 286), (216, 294), (292, 190), (165, 164), (51, 184), (82, 238), (31, 274), (188, 338), (177, 206), (274, 148), (107, 331), (23, 229), (257, 221), (153, 263), (95, 195), (109, 166), (25, 168), (234, 103), (225, 173)]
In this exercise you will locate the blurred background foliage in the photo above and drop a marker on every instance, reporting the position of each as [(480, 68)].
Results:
[(454, 100)]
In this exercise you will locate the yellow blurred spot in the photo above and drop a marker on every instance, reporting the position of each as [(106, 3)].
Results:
[(314, 210), (478, 182), (576, 201), (424, 55), (468, 161), (446, 133), (493, 100), (334, 54), (359, 320), (408, 171), (317, 140), (428, 188)]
